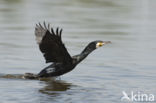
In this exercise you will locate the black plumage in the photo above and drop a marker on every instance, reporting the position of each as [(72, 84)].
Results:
[(53, 49)]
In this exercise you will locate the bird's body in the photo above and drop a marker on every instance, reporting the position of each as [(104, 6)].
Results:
[(56, 69), (53, 49)]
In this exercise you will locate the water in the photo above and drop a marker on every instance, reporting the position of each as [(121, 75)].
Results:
[(128, 64)]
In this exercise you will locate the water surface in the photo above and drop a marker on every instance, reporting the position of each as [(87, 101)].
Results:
[(128, 64)]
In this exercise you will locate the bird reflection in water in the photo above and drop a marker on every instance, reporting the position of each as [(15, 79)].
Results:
[(54, 87)]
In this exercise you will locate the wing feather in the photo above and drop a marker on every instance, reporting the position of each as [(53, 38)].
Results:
[(51, 45)]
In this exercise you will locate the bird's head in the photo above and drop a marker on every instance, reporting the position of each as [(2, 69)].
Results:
[(101, 43), (96, 44)]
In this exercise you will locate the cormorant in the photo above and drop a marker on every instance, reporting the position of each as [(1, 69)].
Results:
[(53, 49)]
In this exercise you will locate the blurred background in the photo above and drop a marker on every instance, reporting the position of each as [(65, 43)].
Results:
[(127, 64)]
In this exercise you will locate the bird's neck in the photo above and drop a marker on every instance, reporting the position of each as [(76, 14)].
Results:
[(86, 52), (82, 55)]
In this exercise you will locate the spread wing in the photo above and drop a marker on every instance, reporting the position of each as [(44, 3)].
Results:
[(51, 45)]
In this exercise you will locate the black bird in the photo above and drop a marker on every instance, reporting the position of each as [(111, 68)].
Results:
[(53, 49)]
